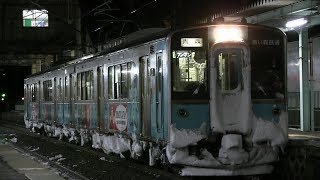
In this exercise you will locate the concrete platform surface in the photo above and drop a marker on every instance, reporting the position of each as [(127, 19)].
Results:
[(17, 165)]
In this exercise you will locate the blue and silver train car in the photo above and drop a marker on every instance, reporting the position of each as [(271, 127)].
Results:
[(211, 98)]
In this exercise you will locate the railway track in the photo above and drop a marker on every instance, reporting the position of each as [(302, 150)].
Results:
[(81, 162)]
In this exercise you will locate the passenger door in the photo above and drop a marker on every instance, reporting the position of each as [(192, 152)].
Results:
[(151, 95), (73, 79), (100, 97), (145, 99), (230, 90)]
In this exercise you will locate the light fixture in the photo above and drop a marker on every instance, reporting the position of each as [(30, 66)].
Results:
[(227, 34), (296, 23)]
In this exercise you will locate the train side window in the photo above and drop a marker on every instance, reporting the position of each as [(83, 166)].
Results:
[(85, 85), (119, 81), (47, 90)]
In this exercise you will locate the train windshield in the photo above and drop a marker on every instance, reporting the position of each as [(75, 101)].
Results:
[(189, 68)]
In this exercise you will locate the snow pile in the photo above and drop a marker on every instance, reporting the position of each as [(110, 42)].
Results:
[(84, 136), (35, 127), (263, 154), (27, 122), (182, 156), (154, 154), (267, 131), (115, 144), (65, 131), (35, 149), (177, 150), (185, 137), (14, 140), (231, 151), (136, 147), (96, 140), (49, 130), (55, 157), (73, 135), (57, 132)]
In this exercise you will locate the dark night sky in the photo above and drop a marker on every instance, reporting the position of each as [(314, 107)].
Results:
[(143, 13), (11, 83)]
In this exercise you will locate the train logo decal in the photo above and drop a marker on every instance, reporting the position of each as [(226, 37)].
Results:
[(118, 117)]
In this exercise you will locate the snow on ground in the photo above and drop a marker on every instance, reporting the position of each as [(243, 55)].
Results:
[(194, 171), (35, 149), (14, 140), (55, 157)]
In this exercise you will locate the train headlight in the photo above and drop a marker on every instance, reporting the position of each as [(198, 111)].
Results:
[(228, 34)]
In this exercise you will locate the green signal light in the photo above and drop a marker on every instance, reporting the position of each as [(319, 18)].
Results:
[(2, 99), (3, 95)]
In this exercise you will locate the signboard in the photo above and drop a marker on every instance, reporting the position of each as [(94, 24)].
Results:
[(118, 117)]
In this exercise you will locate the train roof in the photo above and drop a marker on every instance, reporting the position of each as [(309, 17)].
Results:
[(129, 40), (139, 37)]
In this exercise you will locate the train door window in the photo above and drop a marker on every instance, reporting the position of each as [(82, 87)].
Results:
[(66, 88), (59, 90), (189, 73), (125, 79), (117, 81), (229, 68), (79, 86), (47, 90), (89, 85), (85, 85), (111, 82), (34, 91)]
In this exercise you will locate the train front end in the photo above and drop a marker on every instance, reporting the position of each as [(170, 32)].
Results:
[(228, 99)]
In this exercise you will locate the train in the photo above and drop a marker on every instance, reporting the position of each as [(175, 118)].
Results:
[(210, 99)]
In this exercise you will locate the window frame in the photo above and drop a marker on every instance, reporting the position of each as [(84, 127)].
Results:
[(119, 85), (85, 85), (34, 19), (199, 84), (47, 86)]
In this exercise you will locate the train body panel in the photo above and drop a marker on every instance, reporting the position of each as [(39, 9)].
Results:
[(173, 91), (191, 116), (269, 112)]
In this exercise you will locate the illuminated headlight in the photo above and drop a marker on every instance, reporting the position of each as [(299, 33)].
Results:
[(228, 33)]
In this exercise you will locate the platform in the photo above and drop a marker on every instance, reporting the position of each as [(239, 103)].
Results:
[(16, 165)]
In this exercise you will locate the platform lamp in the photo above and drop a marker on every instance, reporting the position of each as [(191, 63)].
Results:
[(296, 23), (300, 26), (3, 95)]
